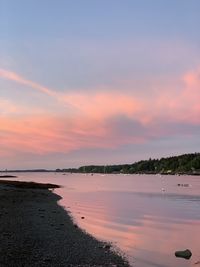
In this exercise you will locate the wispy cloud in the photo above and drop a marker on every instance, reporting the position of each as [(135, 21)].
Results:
[(12, 76), (101, 119), (98, 104)]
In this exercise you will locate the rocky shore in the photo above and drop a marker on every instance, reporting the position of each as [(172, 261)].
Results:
[(36, 231)]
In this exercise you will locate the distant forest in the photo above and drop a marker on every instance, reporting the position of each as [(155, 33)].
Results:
[(183, 164)]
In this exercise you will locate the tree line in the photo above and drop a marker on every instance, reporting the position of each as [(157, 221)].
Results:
[(183, 164)]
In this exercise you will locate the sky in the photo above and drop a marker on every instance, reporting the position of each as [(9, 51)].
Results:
[(98, 82)]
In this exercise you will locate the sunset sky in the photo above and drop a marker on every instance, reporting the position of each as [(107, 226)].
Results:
[(98, 81)]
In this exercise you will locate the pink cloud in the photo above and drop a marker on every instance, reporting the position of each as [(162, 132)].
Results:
[(8, 107), (98, 105), (191, 94), (180, 102), (176, 102), (84, 127), (101, 105), (42, 135), (89, 124), (192, 79)]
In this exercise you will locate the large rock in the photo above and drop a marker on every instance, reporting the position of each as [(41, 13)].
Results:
[(186, 254)]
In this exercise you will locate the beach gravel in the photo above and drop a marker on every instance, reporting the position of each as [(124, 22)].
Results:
[(36, 231)]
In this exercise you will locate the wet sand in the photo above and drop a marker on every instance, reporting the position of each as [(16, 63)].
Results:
[(36, 231)]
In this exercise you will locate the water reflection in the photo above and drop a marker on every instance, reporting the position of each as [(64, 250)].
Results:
[(146, 222), (148, 227)]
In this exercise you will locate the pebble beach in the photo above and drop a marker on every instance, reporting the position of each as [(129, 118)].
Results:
[(36, 231)]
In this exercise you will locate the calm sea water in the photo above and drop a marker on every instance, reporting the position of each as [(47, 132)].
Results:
[(148, 217)]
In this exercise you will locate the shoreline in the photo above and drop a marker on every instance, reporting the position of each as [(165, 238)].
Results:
[(36, 231), (92, 173)]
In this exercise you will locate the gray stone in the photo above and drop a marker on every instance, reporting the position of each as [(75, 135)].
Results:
[(186, 254)]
